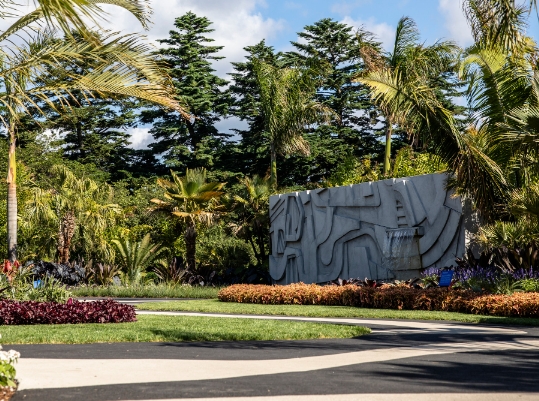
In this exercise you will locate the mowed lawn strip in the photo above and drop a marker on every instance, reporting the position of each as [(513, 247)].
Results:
[(216, 306), (175, 329), (147, 291)]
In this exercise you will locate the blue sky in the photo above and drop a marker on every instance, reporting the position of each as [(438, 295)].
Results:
[(381, 14)]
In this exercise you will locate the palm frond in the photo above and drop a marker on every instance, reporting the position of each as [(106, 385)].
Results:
[(498, 23)]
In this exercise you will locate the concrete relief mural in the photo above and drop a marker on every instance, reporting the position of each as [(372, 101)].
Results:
[(380, 230)]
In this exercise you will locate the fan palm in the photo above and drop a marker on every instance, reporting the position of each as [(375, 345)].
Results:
[(288, 105), (192, 199), (252, 207), (123, 65), (137, 256), (409, 63)]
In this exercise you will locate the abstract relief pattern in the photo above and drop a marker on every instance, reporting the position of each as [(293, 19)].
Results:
[(380, 230)]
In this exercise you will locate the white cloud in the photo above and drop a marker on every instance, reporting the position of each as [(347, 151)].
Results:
[(384, 32), (140, 138), (237, 24), (455, 22)]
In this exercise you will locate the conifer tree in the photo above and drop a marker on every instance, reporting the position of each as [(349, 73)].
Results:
[(338, 46), (189, 56)]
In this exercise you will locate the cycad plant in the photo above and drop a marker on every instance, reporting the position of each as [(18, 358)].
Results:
[(192, 199), (123, 65), (288, 105), (135, 257)]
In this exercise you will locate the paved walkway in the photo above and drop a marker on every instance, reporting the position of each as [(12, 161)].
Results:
[(401, 360)]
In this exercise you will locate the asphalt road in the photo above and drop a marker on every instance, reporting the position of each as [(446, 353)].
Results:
[(457, 364)]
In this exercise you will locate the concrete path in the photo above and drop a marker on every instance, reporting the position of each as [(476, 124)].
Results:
[(401, 360)]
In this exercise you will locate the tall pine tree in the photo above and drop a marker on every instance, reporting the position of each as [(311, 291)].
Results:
[(182, 143), (352, 134)]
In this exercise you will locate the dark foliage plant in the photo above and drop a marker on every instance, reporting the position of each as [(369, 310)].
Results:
[(71, 274), (254, 274), (72, 312)]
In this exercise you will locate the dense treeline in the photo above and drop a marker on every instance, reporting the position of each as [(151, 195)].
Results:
[(337, 109)]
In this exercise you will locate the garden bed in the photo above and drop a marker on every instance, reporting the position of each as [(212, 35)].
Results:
[(72, 312), (396, 297)]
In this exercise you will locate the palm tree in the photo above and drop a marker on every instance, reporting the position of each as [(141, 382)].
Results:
[(192, 199), (252, 207), (495, 148), (408, 62), (135, 257), (77, 206), (499, 23), (288, 105), (123, 65)]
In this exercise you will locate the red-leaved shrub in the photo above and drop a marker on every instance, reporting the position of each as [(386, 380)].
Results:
[(403, 298), (72, 312)]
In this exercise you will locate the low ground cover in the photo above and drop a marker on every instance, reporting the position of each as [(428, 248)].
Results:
[(150, 328), (391, 297), (216, 306), (147, 291)]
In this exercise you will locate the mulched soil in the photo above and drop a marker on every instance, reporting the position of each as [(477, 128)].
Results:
[(6, 393)]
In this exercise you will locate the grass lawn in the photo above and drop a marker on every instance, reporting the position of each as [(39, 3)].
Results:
[(215, 306), (147, 291), (174, 329)]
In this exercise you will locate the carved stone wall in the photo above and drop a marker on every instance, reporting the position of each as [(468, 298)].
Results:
[(380, 230)]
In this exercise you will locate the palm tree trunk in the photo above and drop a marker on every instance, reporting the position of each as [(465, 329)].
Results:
[(190, 245), (12, 198), (273, 166), (65, 235), (387, 157)]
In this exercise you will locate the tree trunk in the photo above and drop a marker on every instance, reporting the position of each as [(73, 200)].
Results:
[(190, 245), (387, 157), (12, 198), (65, 235), (273, 166)]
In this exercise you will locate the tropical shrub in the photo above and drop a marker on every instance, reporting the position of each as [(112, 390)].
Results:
[(387, 297), (72, 312), (47, 290), (21, 285), (220, 251), (174, 272), (68, 273), (103, 274)]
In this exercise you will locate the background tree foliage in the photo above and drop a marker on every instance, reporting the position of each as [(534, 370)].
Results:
[(328, 106)]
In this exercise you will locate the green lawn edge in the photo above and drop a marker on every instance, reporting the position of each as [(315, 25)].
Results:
[(151, 328), (216, 306), (146, 291)]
